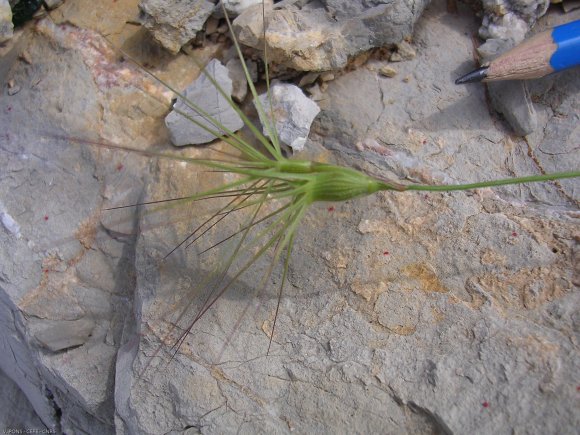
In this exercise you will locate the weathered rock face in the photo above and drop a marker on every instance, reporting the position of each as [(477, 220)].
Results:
[(65, 284), (510, 19), (6, 26), (21, 415), (203, 94), (236, 7), (323, 35), (510, 99), (402, 313), (174, 23), (293, 111)]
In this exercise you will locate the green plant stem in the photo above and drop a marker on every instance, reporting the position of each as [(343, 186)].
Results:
[(493, 183)]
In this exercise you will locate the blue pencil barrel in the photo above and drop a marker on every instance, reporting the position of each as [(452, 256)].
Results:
[(567, 38)]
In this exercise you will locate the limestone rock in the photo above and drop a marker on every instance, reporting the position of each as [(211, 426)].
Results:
[(63, 365), (56, 336), (238, 76), (510, 98), (293, 111), (323, 35), (402, 312), (236, 7), (202, 93), (6, 26), (16, 412), (510, 19), (173, 23)]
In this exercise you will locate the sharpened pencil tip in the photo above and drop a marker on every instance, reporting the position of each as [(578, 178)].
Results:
[(474, 76)]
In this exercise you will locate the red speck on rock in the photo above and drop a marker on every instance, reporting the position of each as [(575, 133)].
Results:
[(514, 234), (45, 217), (485, 404), (386, 253), (331, 209)]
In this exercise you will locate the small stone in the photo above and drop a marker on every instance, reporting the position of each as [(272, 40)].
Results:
[(211, 25), (327, 35), (513, 101), (308, 79), (388, 71), (405, 51), (9, 223), (236, 7), (223, 29), (53, 4), (509, 19), (294, 114), (511, 98), (327, 76), (237, 74), (202, 93), (315, 92), (13, 90), (173, 23), (6, 26)]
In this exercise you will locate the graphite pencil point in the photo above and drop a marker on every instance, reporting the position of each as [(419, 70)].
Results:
[(474, 76)]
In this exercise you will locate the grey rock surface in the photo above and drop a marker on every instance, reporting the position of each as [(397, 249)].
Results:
[(236, 7), (510, 19), (56, 265), (16, 413), (238, 76), (322, 36), (402, 313), (173, 23), (6, 26), (293, 111), (202, 93), (61, 335), (512, 100)]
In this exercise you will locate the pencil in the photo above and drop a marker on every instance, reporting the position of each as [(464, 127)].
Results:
[(540, 55)]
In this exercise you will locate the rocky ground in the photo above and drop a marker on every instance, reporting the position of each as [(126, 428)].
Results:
[(403, 313)]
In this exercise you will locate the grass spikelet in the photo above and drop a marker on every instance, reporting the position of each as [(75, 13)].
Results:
[(278, 190)]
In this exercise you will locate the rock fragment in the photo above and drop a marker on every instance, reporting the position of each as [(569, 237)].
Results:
[(405, 51), (60, 335), (294, 113), (322, 36), (203, 93), (236, 7), (510, 19), (388, 71), (6, 26), (510, 98), (238, 76), (173, 23)]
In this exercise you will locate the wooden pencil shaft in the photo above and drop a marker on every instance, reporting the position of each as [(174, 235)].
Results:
[(529, 60)]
